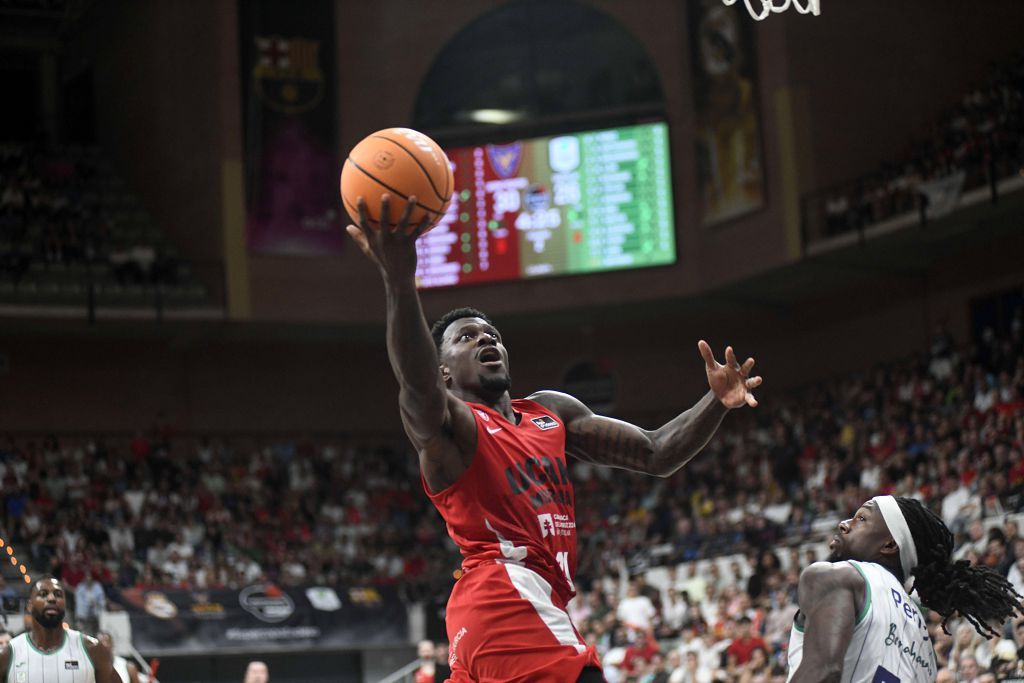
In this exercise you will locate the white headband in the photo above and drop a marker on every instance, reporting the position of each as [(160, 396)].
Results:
[(897, 524)]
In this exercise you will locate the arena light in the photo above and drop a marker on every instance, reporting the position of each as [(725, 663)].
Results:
[(14, 561), (28, 579), (495, 116)]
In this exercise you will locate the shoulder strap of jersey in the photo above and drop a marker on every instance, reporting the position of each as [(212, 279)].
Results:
[(865, 574)]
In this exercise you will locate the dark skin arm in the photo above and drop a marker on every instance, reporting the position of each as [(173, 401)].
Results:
[(660, 452), (133, 673), (102, 660), (830, 598), (5, 658), (440, 426)]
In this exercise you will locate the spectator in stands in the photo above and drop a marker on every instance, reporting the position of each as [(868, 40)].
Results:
[(636, 610), (741, 650), (6, 592), (640, 652), (968, 670), (428, 665), (256, 672), (442, 670), (90, 601)]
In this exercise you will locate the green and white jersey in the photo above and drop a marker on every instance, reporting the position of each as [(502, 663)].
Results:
[(70, 663), (890, 642)]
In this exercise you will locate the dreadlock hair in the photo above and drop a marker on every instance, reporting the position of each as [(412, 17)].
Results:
[(437, 330), (978, 594)]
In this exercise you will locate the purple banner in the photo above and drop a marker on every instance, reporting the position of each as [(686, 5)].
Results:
[(291, 166)]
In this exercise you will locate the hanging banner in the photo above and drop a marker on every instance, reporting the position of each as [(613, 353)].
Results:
[(288, 107), (730, 161), (264, 617)]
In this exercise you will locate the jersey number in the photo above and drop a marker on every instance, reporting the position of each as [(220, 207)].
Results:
[(883, 675), (563, 561)]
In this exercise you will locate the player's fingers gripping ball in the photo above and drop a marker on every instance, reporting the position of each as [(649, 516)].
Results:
[(403, 163)]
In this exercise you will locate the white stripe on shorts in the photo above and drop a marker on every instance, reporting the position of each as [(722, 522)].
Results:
[(537, 591)]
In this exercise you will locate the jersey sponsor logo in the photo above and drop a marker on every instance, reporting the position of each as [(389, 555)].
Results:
[(493, 431), (555, 524), (914, 651), (21, 676), (452, 656), (71, 665), (266, 602), (545, 422)]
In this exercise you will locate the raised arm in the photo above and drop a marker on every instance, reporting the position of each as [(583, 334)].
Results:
[(437, 423), (830, 597), (661, 452)]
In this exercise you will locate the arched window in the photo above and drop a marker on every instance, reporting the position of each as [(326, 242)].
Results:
[(537, 60)]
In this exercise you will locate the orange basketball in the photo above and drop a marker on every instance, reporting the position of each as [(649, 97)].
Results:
[(403, 163)]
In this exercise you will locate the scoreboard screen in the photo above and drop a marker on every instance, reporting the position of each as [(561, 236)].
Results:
[(583, 202)]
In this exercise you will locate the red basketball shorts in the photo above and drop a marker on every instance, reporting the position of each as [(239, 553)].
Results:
[(504, 624)]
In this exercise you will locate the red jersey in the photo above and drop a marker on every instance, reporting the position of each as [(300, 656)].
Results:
[(515, 503)]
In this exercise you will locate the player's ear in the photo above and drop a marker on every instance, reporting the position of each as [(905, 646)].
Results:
[(446, 374), (890, 548)]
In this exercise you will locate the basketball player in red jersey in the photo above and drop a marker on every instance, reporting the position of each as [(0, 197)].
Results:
[(496, 470)]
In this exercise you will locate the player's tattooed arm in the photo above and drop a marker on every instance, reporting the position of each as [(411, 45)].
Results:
[(830, 597), (614, 443), (661, 452)]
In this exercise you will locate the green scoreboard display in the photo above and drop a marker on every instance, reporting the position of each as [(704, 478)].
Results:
[(583, 202)]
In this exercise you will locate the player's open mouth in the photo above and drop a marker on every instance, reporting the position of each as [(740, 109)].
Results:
[(51, 610), (490, 356)]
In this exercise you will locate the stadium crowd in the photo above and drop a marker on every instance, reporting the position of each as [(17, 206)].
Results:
[(981, 137), (54, 212), (947, 426)]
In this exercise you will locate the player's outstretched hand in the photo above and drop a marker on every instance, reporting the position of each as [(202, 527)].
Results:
[(392, 246), (731, 382)]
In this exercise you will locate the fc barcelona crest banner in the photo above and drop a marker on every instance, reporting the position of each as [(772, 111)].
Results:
[(288, 105)]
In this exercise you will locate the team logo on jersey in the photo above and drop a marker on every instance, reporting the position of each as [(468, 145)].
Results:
[(20, 676), (505, 158), (545, 422), (483, 416), (547, 525), (71, 665)]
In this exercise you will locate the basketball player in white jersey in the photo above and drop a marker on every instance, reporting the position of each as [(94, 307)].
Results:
[(126, 670), (857, 622), (49, 653)]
